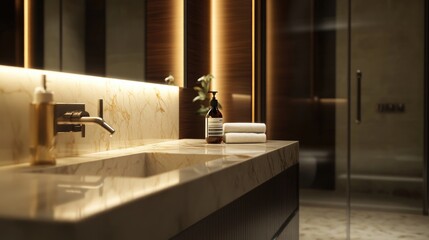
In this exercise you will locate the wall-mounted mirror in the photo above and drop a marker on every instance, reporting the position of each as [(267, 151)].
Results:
[(130, 39)]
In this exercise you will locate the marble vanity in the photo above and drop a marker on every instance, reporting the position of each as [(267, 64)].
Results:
[(179, 189)]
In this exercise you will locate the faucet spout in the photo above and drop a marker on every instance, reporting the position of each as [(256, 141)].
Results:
[(99, 121), (82, 117)]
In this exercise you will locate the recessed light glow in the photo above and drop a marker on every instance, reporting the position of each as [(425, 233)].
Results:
[(253, 60), (179, 29), (101, 81), (27, 35), (215, 40), (269, 48)]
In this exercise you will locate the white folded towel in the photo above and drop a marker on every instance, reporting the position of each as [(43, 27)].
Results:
[(244, 127), (245, 138)]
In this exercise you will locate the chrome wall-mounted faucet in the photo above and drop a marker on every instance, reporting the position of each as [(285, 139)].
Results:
[(73, 117)]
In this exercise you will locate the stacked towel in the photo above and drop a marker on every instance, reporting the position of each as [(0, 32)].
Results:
[(245, 138), (244, 127), (244, 132)]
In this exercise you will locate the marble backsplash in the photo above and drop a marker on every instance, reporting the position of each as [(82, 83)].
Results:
[(140, 112)]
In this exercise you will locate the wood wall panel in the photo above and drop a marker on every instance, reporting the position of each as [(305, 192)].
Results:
[(191, 125), (197, 40), (233, 70)]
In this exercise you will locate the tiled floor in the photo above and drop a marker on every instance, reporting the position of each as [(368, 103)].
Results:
[(320, 223)]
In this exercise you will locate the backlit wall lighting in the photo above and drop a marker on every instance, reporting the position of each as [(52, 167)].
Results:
[(179, 28), (270, 46), (27, 33), (253, 61), (216, 24)]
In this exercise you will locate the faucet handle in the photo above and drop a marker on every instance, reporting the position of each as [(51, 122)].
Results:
[(73, 117), (100, 108), (82, 130)]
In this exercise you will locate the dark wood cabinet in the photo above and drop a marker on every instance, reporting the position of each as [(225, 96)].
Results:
[(270, 211)]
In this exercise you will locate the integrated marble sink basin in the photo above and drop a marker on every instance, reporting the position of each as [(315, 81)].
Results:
[(136, 165), (183, 180)]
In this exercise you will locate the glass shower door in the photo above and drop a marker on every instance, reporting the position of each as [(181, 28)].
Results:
[(386, 118)]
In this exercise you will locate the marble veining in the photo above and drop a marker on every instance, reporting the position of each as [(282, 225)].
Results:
[(189, 180), (140, 112)]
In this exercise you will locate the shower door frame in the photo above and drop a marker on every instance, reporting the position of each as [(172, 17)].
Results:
[(426, 106)]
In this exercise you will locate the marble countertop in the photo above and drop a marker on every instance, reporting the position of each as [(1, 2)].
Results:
[(42, 202)]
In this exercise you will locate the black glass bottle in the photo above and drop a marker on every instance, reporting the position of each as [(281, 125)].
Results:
[(214, 122)]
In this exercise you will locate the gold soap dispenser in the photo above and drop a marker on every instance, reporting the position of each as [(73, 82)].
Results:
[(42, 136)]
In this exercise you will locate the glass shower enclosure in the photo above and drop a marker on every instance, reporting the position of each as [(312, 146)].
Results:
[(347, 79)]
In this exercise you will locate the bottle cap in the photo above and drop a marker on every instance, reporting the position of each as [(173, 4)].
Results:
[(41, 95)]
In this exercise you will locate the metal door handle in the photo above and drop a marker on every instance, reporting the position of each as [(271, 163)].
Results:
[(358, 96)]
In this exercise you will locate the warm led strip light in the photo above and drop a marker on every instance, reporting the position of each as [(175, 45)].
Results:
[(253, 61), (214, 40), (96, 81), (27, 34), (269, 60), (179, 28)]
